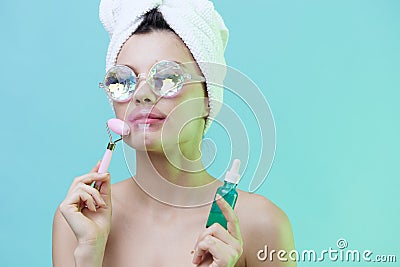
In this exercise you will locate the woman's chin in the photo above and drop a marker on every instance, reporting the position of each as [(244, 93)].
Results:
[(147, 141), (158, 139)]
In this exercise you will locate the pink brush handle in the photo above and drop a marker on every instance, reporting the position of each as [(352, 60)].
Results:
[(105, 162)]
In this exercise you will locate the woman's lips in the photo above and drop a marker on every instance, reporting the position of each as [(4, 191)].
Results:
[(146, 117), (147, 121)]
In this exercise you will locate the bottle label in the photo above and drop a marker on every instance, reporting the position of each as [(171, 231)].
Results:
[(216, 215)]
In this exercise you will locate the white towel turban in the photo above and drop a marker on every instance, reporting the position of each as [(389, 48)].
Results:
[(196, 22)]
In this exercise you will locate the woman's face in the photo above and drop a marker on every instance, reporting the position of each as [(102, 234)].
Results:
[(183, 114)]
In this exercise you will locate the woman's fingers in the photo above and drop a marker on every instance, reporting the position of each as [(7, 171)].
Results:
[(217, 241), (105, 187), (88, 179), (83, 193), (87, 210), (223, 255), (230, 216), (225, 246), (92, 171), (93, 177), (105, 190), (95, 194), (88, 201), (204, 246), (219, 232)]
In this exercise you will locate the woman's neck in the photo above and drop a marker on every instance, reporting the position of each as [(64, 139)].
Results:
[(173, 179)]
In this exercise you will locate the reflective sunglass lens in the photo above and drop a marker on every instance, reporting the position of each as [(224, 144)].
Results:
[(120, 83), (166, 78)]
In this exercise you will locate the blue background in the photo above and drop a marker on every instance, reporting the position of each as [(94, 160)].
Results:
[(329, 69)]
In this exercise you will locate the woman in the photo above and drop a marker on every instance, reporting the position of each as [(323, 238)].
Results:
[(130, 227)]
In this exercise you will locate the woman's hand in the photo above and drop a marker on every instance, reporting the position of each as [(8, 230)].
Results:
[(218, 247), (88, 210)]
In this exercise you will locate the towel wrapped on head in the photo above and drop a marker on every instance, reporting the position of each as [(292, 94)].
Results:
[(196, 22)]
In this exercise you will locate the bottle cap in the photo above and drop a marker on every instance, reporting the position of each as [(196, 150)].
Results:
[(233, 176)]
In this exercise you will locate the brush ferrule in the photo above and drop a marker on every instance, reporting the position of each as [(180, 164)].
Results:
[(111, 146)]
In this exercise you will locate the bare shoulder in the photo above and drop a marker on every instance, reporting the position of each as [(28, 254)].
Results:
[(257, 210), (263, 225)]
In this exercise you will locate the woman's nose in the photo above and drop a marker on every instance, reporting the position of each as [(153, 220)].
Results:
[(143, 93)]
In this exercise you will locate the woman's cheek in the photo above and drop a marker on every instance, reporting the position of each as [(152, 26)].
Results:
[(120, 110)]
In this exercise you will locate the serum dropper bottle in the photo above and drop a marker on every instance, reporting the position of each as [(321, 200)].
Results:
[(228, 192)]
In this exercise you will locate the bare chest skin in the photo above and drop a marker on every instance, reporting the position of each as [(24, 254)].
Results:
[(154, 238)]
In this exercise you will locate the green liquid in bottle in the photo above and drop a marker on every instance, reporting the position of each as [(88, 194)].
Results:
[(228, 192)]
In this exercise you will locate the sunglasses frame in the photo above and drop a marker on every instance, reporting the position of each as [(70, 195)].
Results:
[(187, 78)]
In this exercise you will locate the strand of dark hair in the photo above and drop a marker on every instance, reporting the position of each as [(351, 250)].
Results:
[(153, 20)]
